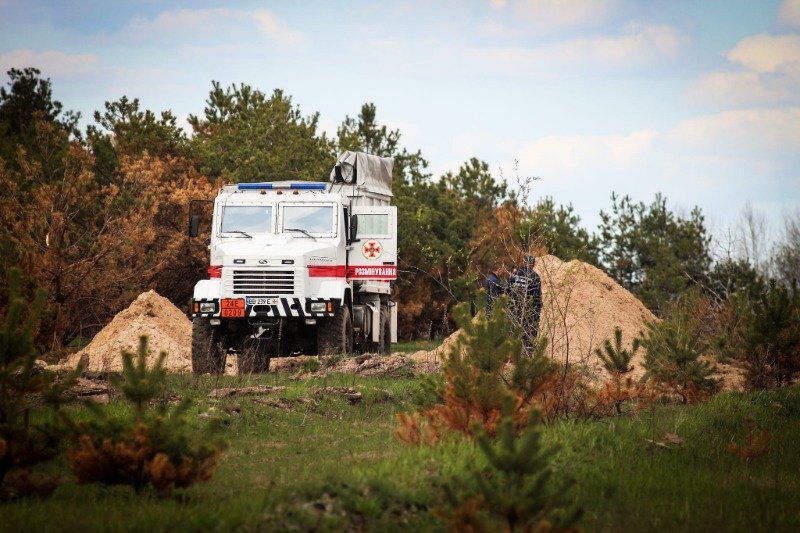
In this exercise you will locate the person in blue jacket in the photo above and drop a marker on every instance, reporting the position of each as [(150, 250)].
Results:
[(494, 287), (525, 289)]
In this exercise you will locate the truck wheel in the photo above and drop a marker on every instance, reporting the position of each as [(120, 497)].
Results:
[(386, 333), (255, 354), (208, 353), (335, 335)]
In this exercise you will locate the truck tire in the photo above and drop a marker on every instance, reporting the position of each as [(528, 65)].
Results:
[(255, 354), (386, 333), (335, 335), (208, 352)]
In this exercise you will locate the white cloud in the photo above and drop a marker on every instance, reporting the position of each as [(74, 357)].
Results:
[(639, 47), (211, 25), (559, 15), (273, 27), (767, 53), (742, 88), (757, 131), (789, 14), (767, 71), (563, 157), (49, 62), (717, 161)]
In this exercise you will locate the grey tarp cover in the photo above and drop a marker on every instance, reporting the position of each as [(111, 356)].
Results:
[(373, 173)]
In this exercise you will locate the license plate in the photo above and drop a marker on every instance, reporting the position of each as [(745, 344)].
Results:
[(232, 303), (231, 307), (262, 301)]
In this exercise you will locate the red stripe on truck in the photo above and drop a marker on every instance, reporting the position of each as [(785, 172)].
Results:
[(354, 271), (327, 271)]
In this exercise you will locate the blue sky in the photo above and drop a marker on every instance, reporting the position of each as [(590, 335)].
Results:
[(697, 99)]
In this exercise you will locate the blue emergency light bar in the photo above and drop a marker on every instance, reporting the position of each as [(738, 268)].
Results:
[(307, 186)]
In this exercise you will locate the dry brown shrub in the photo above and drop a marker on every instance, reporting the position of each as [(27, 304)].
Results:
[(756, 442), (132, 460)]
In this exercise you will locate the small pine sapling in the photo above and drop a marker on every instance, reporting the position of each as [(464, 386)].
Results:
[(772, 337), (27, 438), (617, 361), (515, 491), (674, 350), (483, 368), (154, 446)]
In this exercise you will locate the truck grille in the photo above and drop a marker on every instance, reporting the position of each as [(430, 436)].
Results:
[(263, 282)]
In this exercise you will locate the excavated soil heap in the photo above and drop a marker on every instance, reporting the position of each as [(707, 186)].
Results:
[(581, 306), (166, 327)]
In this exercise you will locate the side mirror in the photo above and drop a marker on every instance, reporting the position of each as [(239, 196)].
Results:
[(194, 225), (353, 229)]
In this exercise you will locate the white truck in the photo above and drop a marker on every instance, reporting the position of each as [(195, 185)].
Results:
[(298, 267)]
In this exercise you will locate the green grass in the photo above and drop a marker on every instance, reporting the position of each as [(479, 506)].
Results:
[(416, 345), (321, 463)]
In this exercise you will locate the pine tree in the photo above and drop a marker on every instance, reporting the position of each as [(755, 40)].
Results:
[(674, 349), (772, 336), (484, 368), (515, 491), (617, 362), (154, 447), (24, 443)]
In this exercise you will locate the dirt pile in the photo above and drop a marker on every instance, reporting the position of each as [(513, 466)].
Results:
[(581, 307), (166, 327)]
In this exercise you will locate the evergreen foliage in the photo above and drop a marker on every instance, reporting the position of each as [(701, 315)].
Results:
[(616, 358), (483, 369), (771, 335), (26, 391), (653, 252), (153, 446), (674, 347), (29, 98), (246, 136), (515, 491)]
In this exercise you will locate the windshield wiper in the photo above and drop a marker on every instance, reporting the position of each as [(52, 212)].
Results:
[(301, 231), (239, 231)]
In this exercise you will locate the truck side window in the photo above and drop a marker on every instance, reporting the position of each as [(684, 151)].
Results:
[(373, 224)]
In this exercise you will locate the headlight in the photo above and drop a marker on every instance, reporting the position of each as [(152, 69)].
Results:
[(318, 307), (208, 307)]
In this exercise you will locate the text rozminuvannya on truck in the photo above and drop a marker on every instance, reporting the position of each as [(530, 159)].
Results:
[(298, 267)]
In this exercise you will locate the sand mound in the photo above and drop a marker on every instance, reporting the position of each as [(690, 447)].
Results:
[(581, 307), (166, 327)]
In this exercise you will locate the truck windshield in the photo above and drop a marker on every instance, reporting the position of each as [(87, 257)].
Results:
[(314, 219), (247, 219)]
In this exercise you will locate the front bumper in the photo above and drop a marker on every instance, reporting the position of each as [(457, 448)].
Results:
[(285, 307)]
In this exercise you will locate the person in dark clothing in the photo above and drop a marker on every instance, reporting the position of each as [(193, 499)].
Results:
[(525, 289), (494, 288)]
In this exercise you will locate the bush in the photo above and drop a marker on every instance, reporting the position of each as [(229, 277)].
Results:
[(484, 368), (514, 492), (771, 335), (24, 441), (617, 362), (674, 350), (154, 446)]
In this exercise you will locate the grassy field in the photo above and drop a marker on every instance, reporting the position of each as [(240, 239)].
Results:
[(303, 460)]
